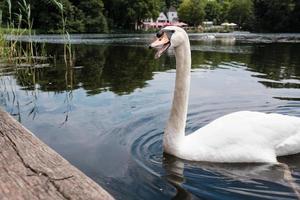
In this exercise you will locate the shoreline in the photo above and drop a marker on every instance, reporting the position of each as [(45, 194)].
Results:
[(243, 37)]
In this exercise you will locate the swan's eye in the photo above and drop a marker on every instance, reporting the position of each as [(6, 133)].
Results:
[(159, 34)]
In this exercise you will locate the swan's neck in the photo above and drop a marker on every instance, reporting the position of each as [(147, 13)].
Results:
[(175, 129)]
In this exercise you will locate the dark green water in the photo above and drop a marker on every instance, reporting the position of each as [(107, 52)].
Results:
[(107, 114)]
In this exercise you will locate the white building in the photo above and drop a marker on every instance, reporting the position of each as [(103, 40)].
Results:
[(172, 15), (170, 18), (162, 18)]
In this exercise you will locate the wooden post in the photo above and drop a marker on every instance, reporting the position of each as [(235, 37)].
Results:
[(29, 169)]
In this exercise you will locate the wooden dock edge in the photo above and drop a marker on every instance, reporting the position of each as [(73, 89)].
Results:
[(29, 169)]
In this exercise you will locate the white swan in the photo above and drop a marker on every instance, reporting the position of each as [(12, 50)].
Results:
[(237, 137)]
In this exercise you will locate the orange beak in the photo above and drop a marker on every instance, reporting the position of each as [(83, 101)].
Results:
[(162, 44)]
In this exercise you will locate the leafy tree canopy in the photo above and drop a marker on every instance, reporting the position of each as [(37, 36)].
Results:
[(192, 11), (82, 16), (104, 15), (174, 3), (276, 15), (241, 12), (213, 10), (128, 13)]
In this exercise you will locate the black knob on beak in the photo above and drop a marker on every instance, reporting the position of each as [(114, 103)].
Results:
[(149, 47)]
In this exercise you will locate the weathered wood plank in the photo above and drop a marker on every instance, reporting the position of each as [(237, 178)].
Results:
[(29, 169)]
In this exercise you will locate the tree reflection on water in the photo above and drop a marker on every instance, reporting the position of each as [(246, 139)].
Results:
[(122, 69)]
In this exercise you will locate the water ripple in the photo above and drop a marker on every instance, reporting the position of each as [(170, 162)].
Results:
[(200, 180)]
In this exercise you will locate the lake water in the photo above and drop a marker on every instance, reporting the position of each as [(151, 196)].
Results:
[(106, 115)]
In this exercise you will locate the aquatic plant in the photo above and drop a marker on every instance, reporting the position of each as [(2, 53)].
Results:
[(11, 50), (27, 57), (68, 53), (25, 8), (14, 51), (69, 57)]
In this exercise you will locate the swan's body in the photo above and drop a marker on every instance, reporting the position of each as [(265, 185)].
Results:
[(237, 137), (243, 137)]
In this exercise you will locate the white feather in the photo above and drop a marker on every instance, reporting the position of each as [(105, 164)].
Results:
[(237, 137)]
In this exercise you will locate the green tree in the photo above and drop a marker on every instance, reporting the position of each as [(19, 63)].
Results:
[(93, 20), (129, 13), (213, 11), (241, 13), (192, 12), (174, 3), (225, 6), (113, 12), (275, 15), (295, 18), (86, 16), (46, 16), (137, 10)]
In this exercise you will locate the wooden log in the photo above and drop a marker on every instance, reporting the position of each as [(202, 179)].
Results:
[(29, 169)]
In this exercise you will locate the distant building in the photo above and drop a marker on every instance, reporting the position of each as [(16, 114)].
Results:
[(172, 15), (163, 20)]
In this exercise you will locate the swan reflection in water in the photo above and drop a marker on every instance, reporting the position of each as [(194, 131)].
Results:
[(241, 180)]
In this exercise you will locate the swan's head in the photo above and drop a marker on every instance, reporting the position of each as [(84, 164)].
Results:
[(169, 36)]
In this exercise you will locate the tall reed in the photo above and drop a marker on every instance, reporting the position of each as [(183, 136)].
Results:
[(68, 53), (17, 52), (26, 9), (69, 57)]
